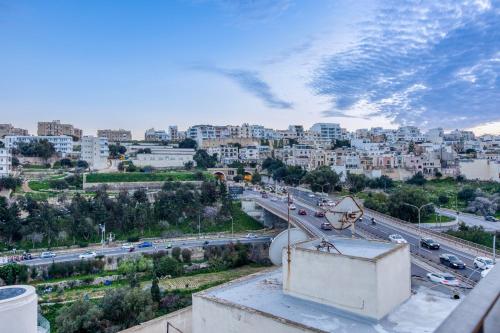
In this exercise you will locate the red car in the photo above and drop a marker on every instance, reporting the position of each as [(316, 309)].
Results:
[(319, 214), (302, 212)]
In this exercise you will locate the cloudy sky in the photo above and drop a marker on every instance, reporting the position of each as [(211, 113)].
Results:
[(140, 64)]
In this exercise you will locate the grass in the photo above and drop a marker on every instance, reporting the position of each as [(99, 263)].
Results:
[(433, 218), (143, 177), (39, 185)]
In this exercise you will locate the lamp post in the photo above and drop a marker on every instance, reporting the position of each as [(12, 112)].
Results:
[(419, 210), (232, 226)]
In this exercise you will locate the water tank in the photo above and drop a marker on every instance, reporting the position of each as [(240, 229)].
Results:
[(18, 309)]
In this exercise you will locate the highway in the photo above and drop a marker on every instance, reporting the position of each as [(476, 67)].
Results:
[(381, 231), (470, 219), (117, 251)]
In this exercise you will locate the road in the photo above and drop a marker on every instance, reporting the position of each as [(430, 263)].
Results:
[(118, 251), (470, 219), (381, 230)]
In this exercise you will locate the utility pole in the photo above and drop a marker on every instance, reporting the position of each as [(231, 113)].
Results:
[(103, 233), (288, 230), (232, 226), (199, 226), (495, 246)]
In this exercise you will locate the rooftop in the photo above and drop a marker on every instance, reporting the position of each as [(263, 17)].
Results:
[(360, 248), (423, 312)]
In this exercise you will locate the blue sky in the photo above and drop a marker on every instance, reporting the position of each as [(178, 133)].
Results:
[(140, 64)]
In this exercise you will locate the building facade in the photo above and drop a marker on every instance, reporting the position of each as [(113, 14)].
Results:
[(5, 162), (119, 135), (63, 144), (95, 152), (56, 128), (8, 129)]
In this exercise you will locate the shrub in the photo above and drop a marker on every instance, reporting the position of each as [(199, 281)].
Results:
[(167, 266), (176, 253), (186, 255)]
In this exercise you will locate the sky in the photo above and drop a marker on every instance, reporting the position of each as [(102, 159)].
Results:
[(140, 64)]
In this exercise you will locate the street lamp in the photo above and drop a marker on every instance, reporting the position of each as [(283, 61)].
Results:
[(232, 226), (418, 209)]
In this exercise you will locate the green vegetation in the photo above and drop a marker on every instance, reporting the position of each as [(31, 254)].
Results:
[(40, 148), (474, 234), (146, 177)]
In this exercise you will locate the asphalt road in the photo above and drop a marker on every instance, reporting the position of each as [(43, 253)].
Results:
[(471, 220), (381, 230), (117, 251)]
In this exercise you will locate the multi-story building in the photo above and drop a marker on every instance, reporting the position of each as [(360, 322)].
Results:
[(63, 144), (119, 135), (249, 154), (5, 162), (156, 135), (55, 128), (200, 133), (327, 131), (95, 152), (173, 132), (226, 154), (8, 129)]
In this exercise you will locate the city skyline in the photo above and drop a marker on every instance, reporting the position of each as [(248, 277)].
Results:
[(137, 66)]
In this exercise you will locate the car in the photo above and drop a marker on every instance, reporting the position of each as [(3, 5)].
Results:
[(206, 242), (326, 226), (451, 260), (302, 212), (45, 255), (265, 196), (27, 256), (398, 239), (292, 207), (145, 244), (168, 245), (319, 214), (483, 263), (311, 195), (429, 243), (330, 203), (88, 255), (443, 278), (127, 246), (485, 272), (274, 199), (251, 236), (491, 218)]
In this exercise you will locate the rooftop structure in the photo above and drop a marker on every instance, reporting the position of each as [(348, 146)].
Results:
[(18, 309)]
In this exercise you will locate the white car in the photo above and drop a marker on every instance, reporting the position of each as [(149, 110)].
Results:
[(45, 255), (398, 239), (88, 255), (311, 195), (483, 263), (293, 207), (251, 236), (485, 272), (127, 246), (443, 278), (274, 199), (330, 203)]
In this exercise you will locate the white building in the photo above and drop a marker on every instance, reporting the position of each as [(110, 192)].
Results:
[(5, 162), (63, 144), (95, 152), (480, 169), (166, 158), (225, 154), (327, 131), (200, 133), (156, 135), (249, 154)]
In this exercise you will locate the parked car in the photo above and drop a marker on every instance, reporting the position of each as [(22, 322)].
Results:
[(319, 214), (443, 278), (429, 243), (292, 207), (491, 218), (88, 255), (398, 239), (168, 245), (483, 263), (326, 226), (265, 196), (127, 246), (145, 244), (251, 236), (302, 212), (451, 261), (45, 255)]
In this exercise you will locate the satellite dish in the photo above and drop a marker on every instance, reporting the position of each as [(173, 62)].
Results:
[(345, 213), (281, 241)]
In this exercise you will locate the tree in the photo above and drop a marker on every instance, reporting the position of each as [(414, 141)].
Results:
[(176, 253), (188, 143), (189, 165), (203, 160), (322, 179), (356, 183), (443, 199), (82, 164), (58, 184), (411, 147), (381, 182), (66, 163), (155, 291), (165, 266), (80, 316), (186, 255), (409, 195), (40, 148), (417, 179), (127, 307), (256, 177), (116, 150), (208, 193), (9, 183), (466, 194), (140, 196)]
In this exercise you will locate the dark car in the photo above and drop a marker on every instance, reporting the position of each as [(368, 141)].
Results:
[(27, 256), (302, 212), (326, 226), (319, 214), (145, 244), (451, 261), (491, 218), (265, 196), (429, 243)]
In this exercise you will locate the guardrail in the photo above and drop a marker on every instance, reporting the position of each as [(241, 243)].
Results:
[(481, 249)]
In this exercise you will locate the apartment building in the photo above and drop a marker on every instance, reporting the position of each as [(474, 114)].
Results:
[(327, 131), (8, 129), (56, 128), (95, 152), (5, 162), (156, 135), (225, 154), (119, 135), (199, 133), (63, 144)]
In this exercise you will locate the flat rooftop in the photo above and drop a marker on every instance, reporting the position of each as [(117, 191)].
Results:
[(361, 248), (423, 312)]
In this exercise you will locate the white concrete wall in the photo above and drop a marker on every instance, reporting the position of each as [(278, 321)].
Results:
[(480, 169), (19, 314), (180, 319), (214, 317), (339, 281)]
